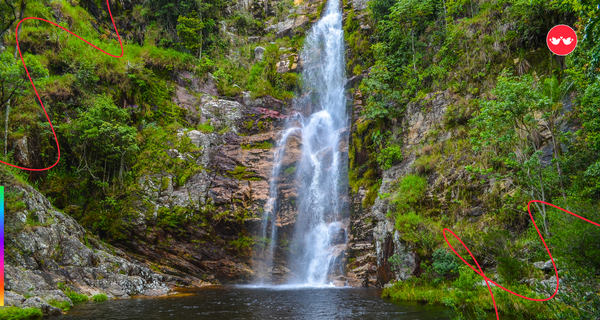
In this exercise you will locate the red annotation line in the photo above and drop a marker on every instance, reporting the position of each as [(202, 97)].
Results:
[(35, 89), (488, 280)]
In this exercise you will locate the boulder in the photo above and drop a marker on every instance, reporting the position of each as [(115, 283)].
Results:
[(259, 53), (287, 63), (38, 303), (289, 27), (545, 266), (13, 299)]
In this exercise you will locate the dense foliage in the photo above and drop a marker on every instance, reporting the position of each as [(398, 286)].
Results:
[(520, 124), (117, 118)]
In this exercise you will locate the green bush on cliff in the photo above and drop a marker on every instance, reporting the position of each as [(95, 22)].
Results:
[(409, 191), (388, 156), (445, 263), (16, 313)]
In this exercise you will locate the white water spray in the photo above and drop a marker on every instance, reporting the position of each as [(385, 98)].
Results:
[(318, 231)]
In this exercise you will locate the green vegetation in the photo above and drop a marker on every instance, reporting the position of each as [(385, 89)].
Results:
[(77, 297), (242, 244), (290, 170), (262, 145), (445, 263), (99, 297), (508, 136), (63, 305), (388, 156), (16, 313), (242, 173), (74, 296), (116, 119), (206, 127)]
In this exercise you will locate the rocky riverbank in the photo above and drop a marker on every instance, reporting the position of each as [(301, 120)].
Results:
[(49, 257)]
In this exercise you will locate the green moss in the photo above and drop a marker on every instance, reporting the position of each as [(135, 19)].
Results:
[(263, 145), (371, 195), (362, 126), (13, 201), (290, 170), (242, 173)]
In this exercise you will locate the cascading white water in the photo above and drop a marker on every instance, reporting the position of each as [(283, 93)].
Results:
[(323, 121), (318, 227)]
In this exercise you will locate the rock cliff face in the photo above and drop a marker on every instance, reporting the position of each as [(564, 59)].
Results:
[(419, 120), (49, 254), (229, 192)]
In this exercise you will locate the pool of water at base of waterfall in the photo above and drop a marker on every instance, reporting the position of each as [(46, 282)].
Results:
[(248, 302)]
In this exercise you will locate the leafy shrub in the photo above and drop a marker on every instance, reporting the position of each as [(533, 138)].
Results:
[(189, 30), (467, 279), (395, 260), (380, 9), (410, 191), (171, 218), (574, 239), (510, 269), (445, 263), (206, 127), (16, 313), (388, 156), (100, 297), (246, 24), (408, 222)]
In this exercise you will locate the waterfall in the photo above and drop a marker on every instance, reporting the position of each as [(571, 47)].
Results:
[(319, 233)]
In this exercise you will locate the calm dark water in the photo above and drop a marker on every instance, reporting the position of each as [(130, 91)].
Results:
[(260, 303)]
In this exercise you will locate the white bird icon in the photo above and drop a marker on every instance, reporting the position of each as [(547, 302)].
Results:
[(567, 41), (555, 41)]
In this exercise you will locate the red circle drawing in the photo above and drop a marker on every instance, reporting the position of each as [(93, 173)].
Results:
[(561, 40)]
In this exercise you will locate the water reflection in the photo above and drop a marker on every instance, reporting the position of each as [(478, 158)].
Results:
[(247, 302)]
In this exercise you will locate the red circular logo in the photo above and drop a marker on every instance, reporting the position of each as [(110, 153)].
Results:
[(561, 40)]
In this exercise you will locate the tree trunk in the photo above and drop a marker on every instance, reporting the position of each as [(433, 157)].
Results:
[(556, 146), (266, 8)]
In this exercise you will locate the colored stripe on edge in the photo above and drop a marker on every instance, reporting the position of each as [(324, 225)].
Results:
[(2, 246)]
